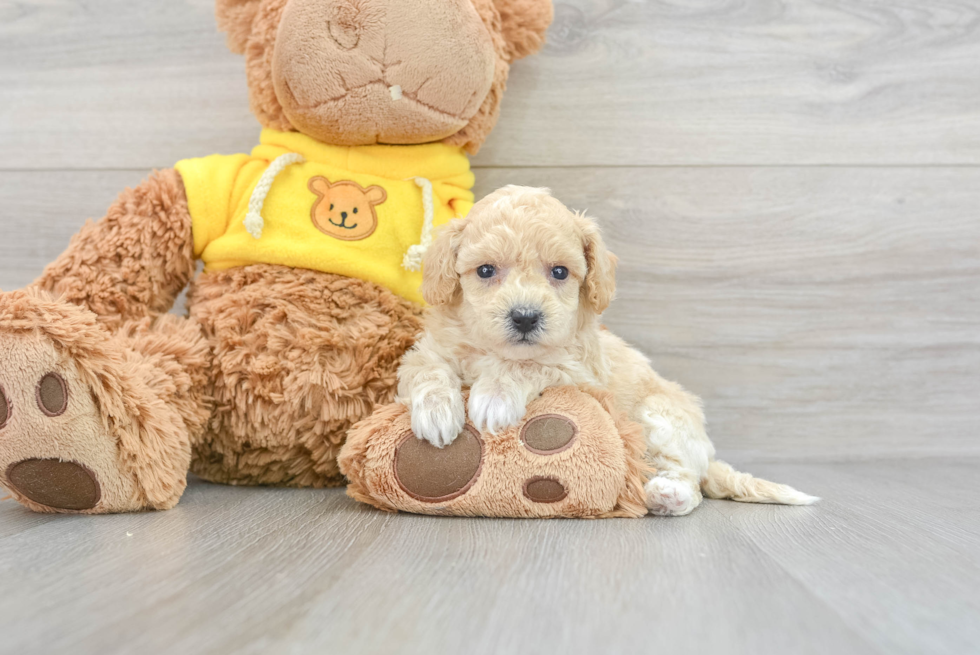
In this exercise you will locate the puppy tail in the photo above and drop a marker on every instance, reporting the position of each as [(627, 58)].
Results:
[(724, 482)]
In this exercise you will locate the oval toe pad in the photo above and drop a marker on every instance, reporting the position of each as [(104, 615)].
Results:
[(549, 434), (544, 490)]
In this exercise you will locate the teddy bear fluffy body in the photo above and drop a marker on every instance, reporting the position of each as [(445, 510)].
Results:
[(106, 401)]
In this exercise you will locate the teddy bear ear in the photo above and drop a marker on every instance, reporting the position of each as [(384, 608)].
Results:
[(235, 18), (319, 185), (376, 195), (524, 23)]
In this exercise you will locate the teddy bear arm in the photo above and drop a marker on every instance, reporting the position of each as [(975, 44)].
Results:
[(133, 262)]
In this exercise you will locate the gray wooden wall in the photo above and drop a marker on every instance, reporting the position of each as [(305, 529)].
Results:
[(793, 186)]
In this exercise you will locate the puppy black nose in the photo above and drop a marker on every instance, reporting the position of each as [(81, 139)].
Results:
[(525, 320), (343, 214)]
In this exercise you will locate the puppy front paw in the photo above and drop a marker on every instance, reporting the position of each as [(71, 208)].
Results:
[(438, 417), (492, 412)]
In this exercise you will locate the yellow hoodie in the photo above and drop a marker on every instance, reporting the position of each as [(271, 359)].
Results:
[(360, 211)]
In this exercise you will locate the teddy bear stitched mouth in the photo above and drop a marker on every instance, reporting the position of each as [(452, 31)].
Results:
[(343, 224), (405, 95)]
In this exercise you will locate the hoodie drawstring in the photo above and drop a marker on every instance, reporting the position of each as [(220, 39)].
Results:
[(253, 219), (413, 258)]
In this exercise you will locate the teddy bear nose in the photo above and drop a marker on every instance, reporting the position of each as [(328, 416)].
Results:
[(343, 214)]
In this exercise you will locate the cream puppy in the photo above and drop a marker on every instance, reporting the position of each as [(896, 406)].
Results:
[(515, 292)]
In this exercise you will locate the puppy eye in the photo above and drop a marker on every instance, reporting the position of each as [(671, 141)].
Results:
[(355, 210), (486, 271), (559, 272)]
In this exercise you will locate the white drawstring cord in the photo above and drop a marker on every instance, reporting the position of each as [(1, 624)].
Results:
[(253, 219), (413, 258)]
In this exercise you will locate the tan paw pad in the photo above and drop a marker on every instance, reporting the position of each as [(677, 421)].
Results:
[(55, 453), (56, 484), (433, 475)]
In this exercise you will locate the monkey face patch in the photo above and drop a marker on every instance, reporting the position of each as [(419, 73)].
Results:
[(345, 210)]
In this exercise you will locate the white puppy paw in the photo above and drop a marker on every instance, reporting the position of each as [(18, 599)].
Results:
[(669, 497), (438, 417), (495, 412)]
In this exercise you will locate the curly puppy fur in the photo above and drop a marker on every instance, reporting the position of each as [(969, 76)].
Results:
[(516, 291)]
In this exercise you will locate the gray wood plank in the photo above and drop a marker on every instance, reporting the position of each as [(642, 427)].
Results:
[(884, 564), (824, 313), (187, 561), (755, 82), (117, 84), (895, 549), (40, 212), (569, 587), (237, 570), (141, 84)]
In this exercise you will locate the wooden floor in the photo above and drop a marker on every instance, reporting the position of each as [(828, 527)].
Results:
[(888, 563), (793, 188)]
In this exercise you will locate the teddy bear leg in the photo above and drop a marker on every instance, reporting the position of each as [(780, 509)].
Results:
[(91, 421), (573, 455), (299, 357)]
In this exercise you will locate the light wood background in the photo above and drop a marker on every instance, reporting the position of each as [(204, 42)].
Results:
[(793, 188)]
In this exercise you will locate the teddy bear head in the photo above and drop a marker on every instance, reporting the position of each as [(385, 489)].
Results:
[(360, 72)]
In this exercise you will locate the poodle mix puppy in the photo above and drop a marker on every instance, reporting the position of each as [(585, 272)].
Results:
[(516, 290)]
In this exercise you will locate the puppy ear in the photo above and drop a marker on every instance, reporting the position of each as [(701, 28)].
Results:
[(523, 24), (600, 279), (235, 17), (440, 282)]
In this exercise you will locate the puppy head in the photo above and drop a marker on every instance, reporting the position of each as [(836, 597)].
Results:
[(522, 272)]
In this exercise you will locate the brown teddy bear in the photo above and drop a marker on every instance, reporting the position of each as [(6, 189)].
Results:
[(311, 245)]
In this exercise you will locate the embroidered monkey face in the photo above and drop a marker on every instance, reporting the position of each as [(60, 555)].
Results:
[(345, 210)]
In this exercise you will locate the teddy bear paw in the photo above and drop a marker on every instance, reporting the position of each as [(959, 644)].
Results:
[(55, 453)]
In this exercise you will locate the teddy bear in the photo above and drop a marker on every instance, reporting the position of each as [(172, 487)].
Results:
[(311, 245)]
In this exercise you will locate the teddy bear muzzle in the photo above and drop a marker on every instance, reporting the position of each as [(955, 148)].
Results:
[(366, 72)]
